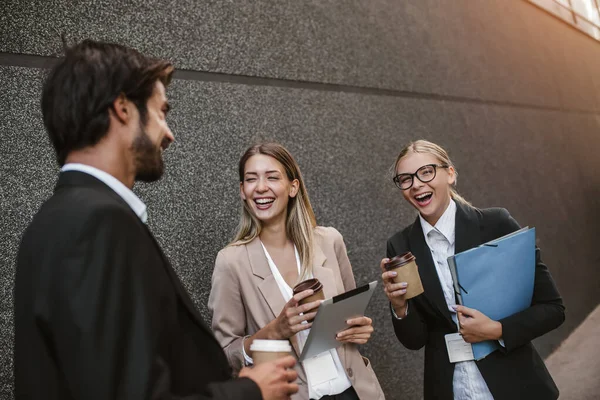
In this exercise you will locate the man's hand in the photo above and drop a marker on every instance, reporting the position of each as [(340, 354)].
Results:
[(275, 379), (359, 332), (476, 327)]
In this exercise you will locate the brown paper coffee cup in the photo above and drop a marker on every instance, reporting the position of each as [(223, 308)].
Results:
[(408, 271), (318, 294), (314, 297)]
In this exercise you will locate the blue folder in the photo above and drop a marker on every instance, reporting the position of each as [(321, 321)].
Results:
[(496, 278)]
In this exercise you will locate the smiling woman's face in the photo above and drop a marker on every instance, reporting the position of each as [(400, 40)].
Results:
[(432, 198), (266, 188)]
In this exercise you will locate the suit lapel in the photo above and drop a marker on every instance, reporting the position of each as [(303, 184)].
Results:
[(324, 274), (179, 288), (427, 271), (468, 230), (268, 287)]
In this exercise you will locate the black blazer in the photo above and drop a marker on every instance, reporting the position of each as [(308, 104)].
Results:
[(516, 371), (99, 312)]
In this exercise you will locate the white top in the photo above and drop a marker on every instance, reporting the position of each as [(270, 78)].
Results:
[(468, 382), (138, 207), (331, 387)]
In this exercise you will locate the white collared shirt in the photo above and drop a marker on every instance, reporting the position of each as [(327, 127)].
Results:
[(138, 207), (467, 382), (331, 387)]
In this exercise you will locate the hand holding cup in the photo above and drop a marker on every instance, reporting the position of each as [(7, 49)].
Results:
[(274, 378), (395, 292), (314, 285), (290, 321)]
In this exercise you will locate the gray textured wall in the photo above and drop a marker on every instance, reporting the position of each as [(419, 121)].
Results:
[(511, 92)]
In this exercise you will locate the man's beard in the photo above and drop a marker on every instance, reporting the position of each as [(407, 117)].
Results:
[(149, 164)]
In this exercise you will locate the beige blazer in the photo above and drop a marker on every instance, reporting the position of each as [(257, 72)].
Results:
[(245, 297)]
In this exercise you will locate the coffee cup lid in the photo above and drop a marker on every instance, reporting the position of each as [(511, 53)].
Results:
[(399, 260), (313, 284), (270, 345)]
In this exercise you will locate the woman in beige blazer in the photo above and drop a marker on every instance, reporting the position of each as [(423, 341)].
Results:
[(277, 246)]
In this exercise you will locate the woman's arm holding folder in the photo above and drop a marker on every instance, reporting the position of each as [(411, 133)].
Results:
[(546, 312)]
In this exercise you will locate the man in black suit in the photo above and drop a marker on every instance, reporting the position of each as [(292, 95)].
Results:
[(99, 311)]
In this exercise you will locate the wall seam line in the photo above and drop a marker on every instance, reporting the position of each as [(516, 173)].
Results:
[(45, 62)]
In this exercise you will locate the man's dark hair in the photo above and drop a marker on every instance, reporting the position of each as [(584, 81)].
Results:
[(82, 87)]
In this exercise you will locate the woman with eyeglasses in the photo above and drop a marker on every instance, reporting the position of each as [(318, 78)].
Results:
[(277, 245), (448, 224)]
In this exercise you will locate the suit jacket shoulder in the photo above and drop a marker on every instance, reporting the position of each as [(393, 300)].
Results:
[(496, 222), (327, 236), (493, 215), (75, 212), (398, 242), (400, 235), (231, 255)]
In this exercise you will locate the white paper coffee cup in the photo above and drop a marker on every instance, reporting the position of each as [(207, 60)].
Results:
[(269, 350)]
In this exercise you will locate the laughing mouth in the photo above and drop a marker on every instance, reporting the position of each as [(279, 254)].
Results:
[(264, 201), (423, 198)]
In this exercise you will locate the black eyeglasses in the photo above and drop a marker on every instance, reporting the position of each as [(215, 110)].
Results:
[(425, 174)]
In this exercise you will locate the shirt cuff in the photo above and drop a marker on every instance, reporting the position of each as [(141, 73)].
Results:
[(247, 360), (406, 313)]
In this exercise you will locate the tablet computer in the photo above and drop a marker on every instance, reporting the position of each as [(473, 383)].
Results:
[(332, 316)]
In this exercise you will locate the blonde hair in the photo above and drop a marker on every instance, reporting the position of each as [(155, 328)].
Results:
[(426, 147), (300, 221)]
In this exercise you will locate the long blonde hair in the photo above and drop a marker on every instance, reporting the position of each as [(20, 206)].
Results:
[(426, 147), (300, 221)]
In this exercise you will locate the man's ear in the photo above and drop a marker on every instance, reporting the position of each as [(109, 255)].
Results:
[(121, 108)]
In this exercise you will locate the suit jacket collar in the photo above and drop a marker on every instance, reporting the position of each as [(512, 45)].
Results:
[(136, 204), (260, 265), (467, 235), (269, 288), (77, 178)]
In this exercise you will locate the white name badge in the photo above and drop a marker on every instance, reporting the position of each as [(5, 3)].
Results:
[(458, 349), (320, 369)]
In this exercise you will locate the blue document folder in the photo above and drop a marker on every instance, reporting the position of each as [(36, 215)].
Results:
[(496, 278)]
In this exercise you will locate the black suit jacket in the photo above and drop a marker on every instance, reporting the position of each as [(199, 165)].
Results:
[(99, 312), (516, 371)]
